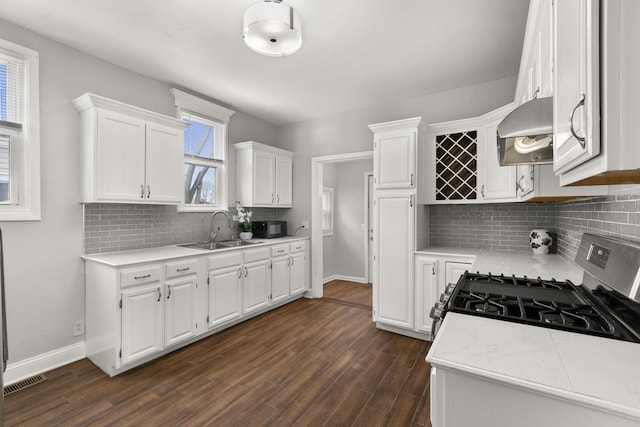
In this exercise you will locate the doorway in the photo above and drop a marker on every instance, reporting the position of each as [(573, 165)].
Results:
[(317, 246)]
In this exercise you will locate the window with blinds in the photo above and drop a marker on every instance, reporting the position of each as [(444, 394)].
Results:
[(19, 133)]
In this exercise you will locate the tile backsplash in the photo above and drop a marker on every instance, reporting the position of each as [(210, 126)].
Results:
[(505, 227), (110, 227)]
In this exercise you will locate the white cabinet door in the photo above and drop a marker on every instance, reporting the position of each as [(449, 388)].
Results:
[(120, 157), (284, 181), (256, 286), (395, 219), (496, 182), (394, 160), (280, 278), (164, 164), (453, 271), (264, 171), (298, 273), (179, 310), (142, 322), (225, 295), (426, 291), (576, 101)]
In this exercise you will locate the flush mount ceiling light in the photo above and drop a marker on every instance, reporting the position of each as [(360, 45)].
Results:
[(272, 28)]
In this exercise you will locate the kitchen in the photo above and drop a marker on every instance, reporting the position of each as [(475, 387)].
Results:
[(51, 298)]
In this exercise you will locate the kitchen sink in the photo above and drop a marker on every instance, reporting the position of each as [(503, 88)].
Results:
[(224, 244)]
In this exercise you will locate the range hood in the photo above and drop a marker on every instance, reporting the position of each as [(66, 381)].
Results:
[(525, 136)]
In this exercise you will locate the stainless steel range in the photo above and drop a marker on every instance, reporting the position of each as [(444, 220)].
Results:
[(603, 305)]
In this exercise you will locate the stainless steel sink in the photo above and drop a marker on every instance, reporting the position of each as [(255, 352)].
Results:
[(224, 244)]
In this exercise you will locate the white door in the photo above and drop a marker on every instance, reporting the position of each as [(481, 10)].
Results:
[(426, 291), (576, 101), (284, 180), (394, 160), (298, 273), (179, 311), (264, 165), (496, 182), (142, 322), (280, 278), (394, 248), (256, 286), (225, 295), (164, 165), (120, 157)]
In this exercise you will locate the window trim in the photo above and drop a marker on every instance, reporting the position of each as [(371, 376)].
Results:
[(189, 104), (28, 207), (329, 191)]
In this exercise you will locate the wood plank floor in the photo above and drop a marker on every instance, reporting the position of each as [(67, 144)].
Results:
[(310, 363), (351, 293)]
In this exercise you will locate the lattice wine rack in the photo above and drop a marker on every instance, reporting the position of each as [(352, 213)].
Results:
[(456, 166)]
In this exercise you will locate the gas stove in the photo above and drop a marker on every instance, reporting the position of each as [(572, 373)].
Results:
[(595, 307)]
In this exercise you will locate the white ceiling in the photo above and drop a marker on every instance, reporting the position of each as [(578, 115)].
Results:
[(355, 53)]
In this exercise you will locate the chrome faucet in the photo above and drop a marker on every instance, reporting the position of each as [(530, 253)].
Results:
[(212, 234)]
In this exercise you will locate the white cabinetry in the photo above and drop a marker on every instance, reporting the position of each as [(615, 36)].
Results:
[(179, 308), (264, 175), (256, 280), (298, 268), (289, 270), (394, 158), (142, 322), (576, 83), (129, 154), (225, 288)]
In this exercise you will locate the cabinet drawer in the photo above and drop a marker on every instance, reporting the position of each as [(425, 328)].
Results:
[(181, 268), (298, 247), (138, 276), (256, 254), (225, 260), (278, 250)]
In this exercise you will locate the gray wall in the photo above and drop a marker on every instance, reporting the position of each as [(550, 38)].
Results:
[(44, 272), (344, 251), (349, 132)]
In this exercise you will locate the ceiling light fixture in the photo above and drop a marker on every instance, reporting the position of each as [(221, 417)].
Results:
[(272, 28)]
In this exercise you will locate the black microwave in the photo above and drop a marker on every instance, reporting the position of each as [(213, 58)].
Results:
[(269, 229)]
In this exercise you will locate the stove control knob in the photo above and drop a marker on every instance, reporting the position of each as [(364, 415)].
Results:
[(444, 298), (436, 311), (449, 289)]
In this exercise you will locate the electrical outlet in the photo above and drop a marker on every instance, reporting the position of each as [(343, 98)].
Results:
[(78, 328), (305, 224)]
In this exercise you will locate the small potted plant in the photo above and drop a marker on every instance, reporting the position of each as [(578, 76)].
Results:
[(244, 222)]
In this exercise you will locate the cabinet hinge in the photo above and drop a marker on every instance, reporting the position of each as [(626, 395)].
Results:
[(208, 281), (120, 303), (196, 326), (120, 354), (196, 285), (207, 318), (271, 266)]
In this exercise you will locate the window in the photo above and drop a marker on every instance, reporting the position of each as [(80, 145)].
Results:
[(19, 134), (205, 152), (327, 211)]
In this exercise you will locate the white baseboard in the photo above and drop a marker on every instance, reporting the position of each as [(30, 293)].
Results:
[(347, 278), (43, 362)]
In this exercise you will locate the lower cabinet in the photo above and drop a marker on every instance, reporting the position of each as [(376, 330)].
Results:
[(140, 311)]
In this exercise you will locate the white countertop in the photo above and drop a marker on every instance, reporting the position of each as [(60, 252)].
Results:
[(136, 256), (515, 263), (595, 371)]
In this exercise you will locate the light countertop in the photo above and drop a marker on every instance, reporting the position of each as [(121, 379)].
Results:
[(137, 256), (515, 263), (594, 371)]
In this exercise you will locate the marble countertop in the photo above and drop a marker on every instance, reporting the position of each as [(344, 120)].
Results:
[(515, 263), (137, 256), (594, 371)]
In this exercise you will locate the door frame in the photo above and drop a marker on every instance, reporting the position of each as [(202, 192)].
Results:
[(317, 174), (367, 225)]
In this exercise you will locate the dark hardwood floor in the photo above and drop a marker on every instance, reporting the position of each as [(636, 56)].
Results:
[(351, 293), (309, 363)]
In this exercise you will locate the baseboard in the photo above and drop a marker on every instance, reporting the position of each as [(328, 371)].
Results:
[(43, 362), (347, 278)]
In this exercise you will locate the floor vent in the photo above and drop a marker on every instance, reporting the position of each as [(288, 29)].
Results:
[(24, 384)]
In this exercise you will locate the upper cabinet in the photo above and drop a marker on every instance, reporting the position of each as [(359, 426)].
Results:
[(576, 83), (462, 162), (596, 79), (129, 155), (264, 175), (395, 155)]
